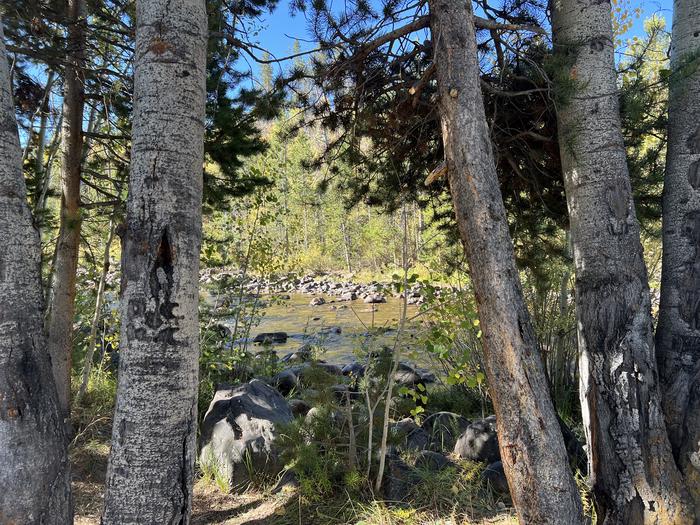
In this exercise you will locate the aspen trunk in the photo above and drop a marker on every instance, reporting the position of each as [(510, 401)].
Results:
[(48, 171), (151, 465), (43, 122), (631, 468), (34, 468), (678, 332), (532, 448), (62, 306), (346, 246)]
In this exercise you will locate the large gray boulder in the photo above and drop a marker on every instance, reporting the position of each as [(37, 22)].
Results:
[(479, 442), (408, 435), (238, 432), (444, 428)]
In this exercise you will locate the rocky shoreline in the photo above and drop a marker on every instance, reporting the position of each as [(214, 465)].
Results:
[(320, 286), (241, 428)]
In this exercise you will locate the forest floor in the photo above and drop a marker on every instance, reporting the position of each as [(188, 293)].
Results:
[(90, 449), (211, 506)]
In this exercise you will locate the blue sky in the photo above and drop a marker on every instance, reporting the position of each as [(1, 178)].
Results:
[(280, 29)]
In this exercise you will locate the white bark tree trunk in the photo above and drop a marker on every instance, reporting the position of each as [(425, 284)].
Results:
[(62, 305), (678, 332), (532, 448), (34, 468), (151, 465), (632, 472)]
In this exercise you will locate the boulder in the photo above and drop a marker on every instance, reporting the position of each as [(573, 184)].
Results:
[(317, 301), (426, 376), (479, 442), (495, 477), (444, 428), (374, 298), (430, 460), (302, 355), (329, 368), (348, 296), (299, 407), (399, 478), (323, 414), (354, 369), (341, 392), (410, 436), (406, 376), (287, 483), (285, 381), (330, 330), (238, 432), (267, 338)]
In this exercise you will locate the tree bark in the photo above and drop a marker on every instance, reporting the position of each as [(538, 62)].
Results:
[(151, 465), (62, 306), (43, 122), (530, 439), (633, 477), (34, 468), (678, 332), (346, 245)]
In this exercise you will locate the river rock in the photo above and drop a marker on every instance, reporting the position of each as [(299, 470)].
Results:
[(341, 392), (317, 301), (479, 442), (285, 381), (399, 478), (410, 436), (271, 338), (287, 483), (330, 330), (495, 477), (354, 369), (430, 460), (238, 432), (329, 368), (319, 414), (299, 407), (302, 355), (444, 428), (374, 298), (406, 376), (348, 296)]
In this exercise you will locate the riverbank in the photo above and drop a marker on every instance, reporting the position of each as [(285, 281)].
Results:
[(337, 315)]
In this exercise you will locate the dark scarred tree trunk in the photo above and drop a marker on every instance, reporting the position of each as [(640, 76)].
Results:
[(530, 439), (151, 465), (632, 472), (34, 469), (678, 332), (62, 299)]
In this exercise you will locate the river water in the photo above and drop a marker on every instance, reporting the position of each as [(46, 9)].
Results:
[(339, 327)]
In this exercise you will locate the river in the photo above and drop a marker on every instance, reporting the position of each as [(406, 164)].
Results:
[(340, 328)]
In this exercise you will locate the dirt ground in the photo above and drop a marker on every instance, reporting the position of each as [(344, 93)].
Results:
[(211, 506)]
